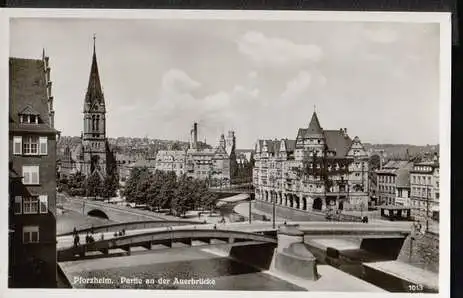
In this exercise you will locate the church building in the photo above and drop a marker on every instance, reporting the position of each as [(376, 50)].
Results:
[(94, 154)]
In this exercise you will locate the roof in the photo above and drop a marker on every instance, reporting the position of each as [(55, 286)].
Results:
[(398, 164), (28, 93), (337, 141), (94, 92), (403, 178), (314, 126), (149, 163), (240, 151), (274, 145)]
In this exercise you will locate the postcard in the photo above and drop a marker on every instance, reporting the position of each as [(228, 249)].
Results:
[(184, 152)]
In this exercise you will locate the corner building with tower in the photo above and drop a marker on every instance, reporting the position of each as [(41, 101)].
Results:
[(319, 171)]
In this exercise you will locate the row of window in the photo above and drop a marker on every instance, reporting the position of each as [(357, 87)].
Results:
[(31, 205), (30, 145), (386, 179), (418, 179)]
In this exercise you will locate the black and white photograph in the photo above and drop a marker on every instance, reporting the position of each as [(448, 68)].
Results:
[(212, 151)]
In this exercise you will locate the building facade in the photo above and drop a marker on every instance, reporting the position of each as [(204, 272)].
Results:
[(388, 180), (425, 194), (212, 164), (321, 169), (32, 175)]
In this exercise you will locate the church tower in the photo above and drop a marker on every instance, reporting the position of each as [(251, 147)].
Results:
[(94, 141)]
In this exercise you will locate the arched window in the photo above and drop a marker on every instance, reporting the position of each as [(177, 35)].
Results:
[(93, 122), (98, 122)]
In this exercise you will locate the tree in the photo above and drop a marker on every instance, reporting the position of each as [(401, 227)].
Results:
[(93, 185), (110, 186)]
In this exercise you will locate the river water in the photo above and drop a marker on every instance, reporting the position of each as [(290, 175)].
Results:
[(167, 264)]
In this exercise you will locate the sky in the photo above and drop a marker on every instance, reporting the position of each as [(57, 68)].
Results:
[(262, 79)]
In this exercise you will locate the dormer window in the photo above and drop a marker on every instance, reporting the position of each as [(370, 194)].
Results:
[(29, 116)]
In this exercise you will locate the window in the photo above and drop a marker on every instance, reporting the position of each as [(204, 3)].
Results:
[(31, 145), (18, 205), (31, 205), (17, 145), (30, 234), (43, 145), (31, 175), (43, 204)]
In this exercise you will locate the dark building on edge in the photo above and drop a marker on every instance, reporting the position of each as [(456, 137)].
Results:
[(32, 175)]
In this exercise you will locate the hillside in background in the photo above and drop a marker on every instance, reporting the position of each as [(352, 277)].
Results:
[(146, 147), (401, 151), (141, 147)]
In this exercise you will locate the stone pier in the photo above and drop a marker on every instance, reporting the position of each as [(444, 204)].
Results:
[(293, 256)]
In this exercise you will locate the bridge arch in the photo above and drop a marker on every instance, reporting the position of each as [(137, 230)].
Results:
[(97, 213)]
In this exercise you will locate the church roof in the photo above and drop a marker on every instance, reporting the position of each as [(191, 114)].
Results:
[(94, 93)]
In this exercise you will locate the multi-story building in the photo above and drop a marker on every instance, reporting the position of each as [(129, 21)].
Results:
[(200, 163), (320, 169), (32, 175), (387, 179), (424, 184), (171, 160)]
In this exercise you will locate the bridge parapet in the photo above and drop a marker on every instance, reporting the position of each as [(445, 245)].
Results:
[(165, 238), (144, 224)]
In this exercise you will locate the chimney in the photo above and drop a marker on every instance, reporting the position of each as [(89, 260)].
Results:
[(345, 131), (195, 135)]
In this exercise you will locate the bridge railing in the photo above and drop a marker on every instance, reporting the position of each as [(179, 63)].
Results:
[(134, 225)]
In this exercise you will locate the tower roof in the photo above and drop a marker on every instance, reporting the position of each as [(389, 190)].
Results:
[(94, 93), (314, 126)]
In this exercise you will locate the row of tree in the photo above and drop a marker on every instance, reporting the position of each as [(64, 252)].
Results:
[(164, 190), (93, 186)]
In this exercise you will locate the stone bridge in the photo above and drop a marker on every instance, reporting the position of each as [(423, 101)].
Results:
[(166, 238), (113, 212)]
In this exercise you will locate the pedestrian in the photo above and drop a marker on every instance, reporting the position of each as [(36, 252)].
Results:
[(102, 236), (87, 238), (78, 239), (123, 232), (115, 234), (74, 231), (75, 240)]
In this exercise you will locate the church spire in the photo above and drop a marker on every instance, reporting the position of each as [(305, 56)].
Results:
[(94, 92)]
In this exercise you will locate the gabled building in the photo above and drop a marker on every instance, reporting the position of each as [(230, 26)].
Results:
[(321, 169), (32, 175)]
